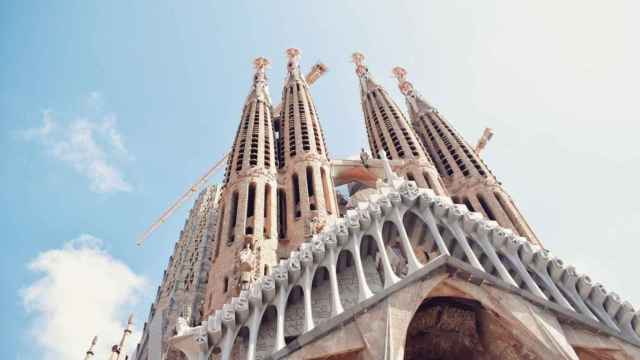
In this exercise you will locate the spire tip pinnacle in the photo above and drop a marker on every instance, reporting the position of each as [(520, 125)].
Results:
[(261, 63), (294, 58), (358, 59), (400, 74), (293, 53)]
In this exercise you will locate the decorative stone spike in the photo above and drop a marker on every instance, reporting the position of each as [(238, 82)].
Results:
[(229, 317), (268, 288)]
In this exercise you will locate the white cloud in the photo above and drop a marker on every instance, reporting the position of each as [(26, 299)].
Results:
[(93, 147), (82, 292)]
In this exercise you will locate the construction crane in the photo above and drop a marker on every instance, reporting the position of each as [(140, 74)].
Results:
[(314, 74), (185, 196)]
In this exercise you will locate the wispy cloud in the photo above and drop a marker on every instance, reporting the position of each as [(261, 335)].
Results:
[(82, 292), (91, 145)]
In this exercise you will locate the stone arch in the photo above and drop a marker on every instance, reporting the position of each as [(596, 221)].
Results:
[(266, 339), (371, 263), (216, 353), (321, 303), (482, 257), (513, 272), (452, 243), (294, 314), (240, 344), (348, 285), (420, 236), (444, 328), (455, 326), (394, 249)]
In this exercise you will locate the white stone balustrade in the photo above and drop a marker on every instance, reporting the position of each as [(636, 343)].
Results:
[(330, 273)]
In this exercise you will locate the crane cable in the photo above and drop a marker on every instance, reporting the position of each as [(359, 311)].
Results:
[(187, 194)]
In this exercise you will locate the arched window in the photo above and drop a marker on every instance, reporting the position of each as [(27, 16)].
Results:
[(233, 216), (485, 207), (251, 209), (220, 226), (311, 189), (296, 195), (468, 204), (267, 210), (428, 180), (282, 213)]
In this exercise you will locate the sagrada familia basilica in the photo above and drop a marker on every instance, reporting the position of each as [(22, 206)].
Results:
[(426, 256)]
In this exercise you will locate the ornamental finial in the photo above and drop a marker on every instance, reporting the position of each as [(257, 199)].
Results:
[(358, 59), (389, 175), (415, 101), (259, 90), (294, 56), (405, 86), (261, 63)]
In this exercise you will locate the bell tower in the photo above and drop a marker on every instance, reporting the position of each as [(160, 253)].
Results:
[(467, 177), (247, 227), (388, 130), (306, 197)]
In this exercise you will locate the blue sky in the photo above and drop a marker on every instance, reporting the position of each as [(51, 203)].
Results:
[(108, 111)]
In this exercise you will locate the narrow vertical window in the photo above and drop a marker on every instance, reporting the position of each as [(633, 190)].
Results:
[(428, 180), (468, 204), (267, 210), (486, 208), (220, 226), (310, 189), (410, 177), (251, 209), (226, 284), (296, 195), (282, 213), (326, 189), (233, 215)]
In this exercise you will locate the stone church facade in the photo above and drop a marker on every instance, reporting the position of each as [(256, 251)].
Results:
[(429, 259)]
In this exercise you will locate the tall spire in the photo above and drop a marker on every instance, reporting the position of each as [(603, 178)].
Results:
[(246, 240), (468, 178), (89, 354), (293, 66), (248, 150), (307, 197), (260, 91), (388, 130), (118, 352)]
